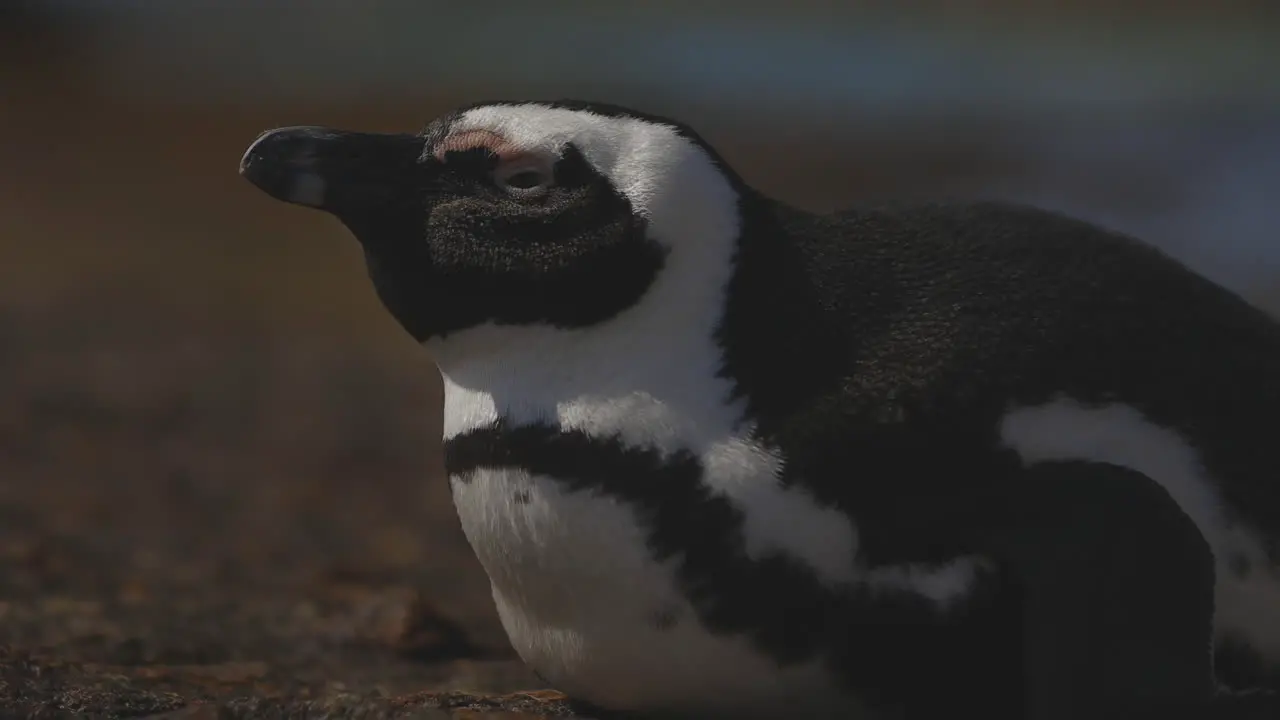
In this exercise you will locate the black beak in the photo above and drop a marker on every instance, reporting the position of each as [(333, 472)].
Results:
[(331, 170)]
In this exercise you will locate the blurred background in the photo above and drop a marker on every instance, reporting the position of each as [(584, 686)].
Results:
[(216, 450)]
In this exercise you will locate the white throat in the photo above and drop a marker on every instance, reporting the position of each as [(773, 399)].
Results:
[(648, 374)]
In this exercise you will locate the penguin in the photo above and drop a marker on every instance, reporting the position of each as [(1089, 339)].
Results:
[(723, 457)]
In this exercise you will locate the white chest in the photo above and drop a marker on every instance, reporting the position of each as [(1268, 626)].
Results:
[(584, 596), (586, 604), (577, 580)]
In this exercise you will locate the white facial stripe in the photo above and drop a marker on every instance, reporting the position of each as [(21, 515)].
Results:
[(649, 373), (667, 178)]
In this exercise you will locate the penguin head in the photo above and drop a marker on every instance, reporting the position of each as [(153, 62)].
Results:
[(563, 216)]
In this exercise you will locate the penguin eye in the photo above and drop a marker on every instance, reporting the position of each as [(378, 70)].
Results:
[(525, 177), (523, 180)]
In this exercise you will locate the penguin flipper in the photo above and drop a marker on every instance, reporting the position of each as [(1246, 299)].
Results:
[(1117, 588)]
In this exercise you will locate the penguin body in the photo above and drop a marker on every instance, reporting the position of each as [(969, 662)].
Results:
[(719, 456)]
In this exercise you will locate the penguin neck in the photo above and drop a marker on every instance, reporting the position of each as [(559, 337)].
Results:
[(784, 339), (651, 376)]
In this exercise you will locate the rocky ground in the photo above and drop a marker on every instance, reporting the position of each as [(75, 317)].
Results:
[(195, 529)]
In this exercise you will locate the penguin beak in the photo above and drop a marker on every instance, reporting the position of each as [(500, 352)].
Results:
[(332, 170)]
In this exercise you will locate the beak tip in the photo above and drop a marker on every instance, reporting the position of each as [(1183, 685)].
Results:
[(255, 149), (328, 169), (280, 164)]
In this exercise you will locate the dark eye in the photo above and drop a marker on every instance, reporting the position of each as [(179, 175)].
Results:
[(523, 179)]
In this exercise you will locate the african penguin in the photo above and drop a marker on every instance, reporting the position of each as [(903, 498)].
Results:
[(721, 456)]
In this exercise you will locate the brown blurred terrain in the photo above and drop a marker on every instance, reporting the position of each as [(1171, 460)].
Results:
[(219, 481), (218, 459)]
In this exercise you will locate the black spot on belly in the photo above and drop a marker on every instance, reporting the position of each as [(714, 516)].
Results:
[(522, 497), (1239, 565)]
